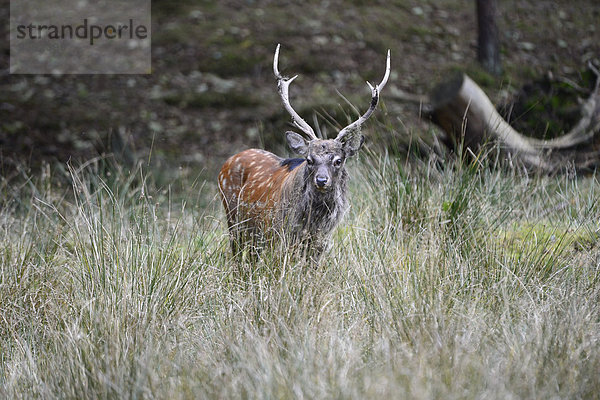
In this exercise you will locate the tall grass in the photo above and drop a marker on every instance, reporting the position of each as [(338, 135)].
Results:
[(463, 282)]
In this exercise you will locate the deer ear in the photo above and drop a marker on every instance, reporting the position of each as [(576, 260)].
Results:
[(297, 143), (352, 143)]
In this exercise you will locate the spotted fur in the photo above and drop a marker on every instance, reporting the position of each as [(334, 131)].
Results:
[(266, 197)]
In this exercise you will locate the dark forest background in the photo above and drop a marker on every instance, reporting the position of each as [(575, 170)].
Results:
[(212, 93)]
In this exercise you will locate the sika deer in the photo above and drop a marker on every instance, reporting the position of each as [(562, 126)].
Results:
[(299, 200)]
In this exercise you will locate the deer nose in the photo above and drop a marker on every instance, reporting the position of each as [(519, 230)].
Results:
[(321, 181)]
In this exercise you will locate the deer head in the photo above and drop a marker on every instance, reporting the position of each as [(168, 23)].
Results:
[(325, 158)]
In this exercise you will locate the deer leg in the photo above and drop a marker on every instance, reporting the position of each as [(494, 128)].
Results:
[(235, 232)]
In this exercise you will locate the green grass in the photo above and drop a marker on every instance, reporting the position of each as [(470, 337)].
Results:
[(466, 282)]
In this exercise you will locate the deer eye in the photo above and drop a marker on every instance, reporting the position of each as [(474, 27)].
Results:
[(337, 162), (310, 161)]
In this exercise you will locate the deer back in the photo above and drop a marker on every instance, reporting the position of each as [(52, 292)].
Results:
[(252, 183)]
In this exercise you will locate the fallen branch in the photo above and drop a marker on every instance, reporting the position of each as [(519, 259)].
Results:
[(470, 120)]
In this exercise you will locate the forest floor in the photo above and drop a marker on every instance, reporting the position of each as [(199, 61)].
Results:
[(212, 92)]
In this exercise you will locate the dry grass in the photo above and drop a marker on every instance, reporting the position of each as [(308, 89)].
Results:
[(458, 283)]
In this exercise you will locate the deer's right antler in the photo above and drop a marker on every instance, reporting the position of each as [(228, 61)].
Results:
[(283, 85)]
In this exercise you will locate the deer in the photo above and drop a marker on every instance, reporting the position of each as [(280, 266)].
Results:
[(299, 200)]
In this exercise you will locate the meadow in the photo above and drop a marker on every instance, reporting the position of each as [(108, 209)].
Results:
[(469, 280)]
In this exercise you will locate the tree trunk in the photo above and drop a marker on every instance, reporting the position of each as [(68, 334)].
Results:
[(466, 114), (488, 52)]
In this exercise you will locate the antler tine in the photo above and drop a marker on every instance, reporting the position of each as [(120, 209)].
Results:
[(283, 85), (374, 101)]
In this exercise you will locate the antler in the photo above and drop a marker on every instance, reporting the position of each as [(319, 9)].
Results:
[(283, 85), (374, 100)]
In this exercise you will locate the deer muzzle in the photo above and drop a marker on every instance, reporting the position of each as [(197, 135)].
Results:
[(322, 182)]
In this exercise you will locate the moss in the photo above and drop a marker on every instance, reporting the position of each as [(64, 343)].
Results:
[(527, 239), (420, 30)]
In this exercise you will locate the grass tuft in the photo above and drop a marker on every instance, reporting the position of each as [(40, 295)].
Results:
[(467, 281)]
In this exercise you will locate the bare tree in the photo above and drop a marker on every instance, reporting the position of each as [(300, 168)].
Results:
[(488, 52)]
